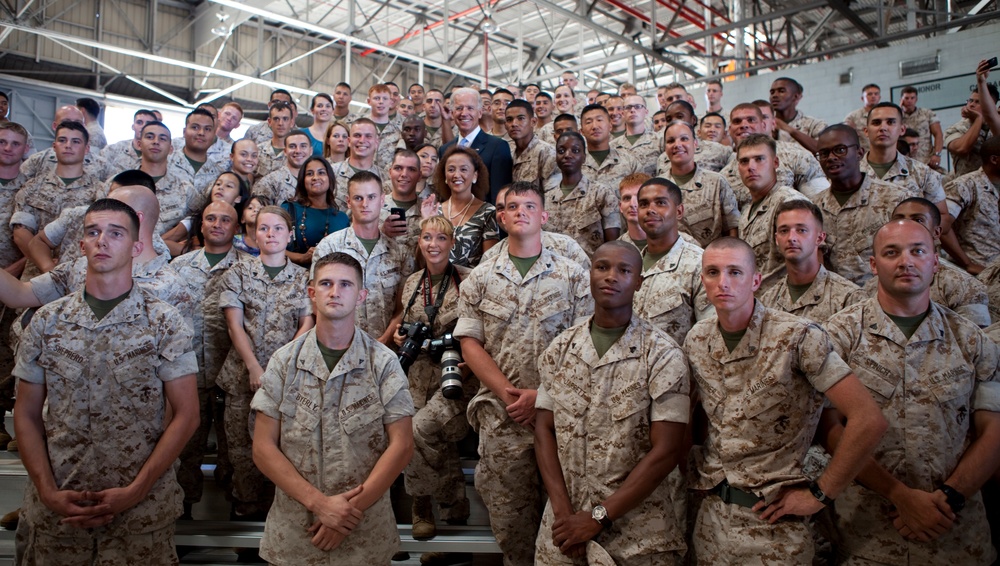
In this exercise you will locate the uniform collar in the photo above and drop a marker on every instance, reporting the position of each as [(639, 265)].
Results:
[(505, 267), (670, 261), (310, 358), (876, 322), (78, 312), (747, 347), (813, 294)]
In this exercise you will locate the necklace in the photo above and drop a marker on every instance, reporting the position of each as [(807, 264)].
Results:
[(302, 226), (461, 214)]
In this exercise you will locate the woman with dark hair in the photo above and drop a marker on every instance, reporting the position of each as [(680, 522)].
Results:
[(336, 142), (314, 212), (428, 163), (322, 113), (186, 235), (462, 182)]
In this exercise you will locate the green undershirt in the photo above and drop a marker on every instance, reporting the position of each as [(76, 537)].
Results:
[(404, 204), (600, 156), (639, 243), (381, 127), (100, 307), (5, 182), (331, 357), (633, 139), (368, 244), (797, 291), (196, 165), (566, 189), (881, 168), (523, 264), (604, 338), (215, 258), (68, 180), (650, 259), (273, 272), (842, 197), (732, 339), (908, 324), (684, 179)]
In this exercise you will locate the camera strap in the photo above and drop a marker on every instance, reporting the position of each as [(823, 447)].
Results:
[(427, 286)]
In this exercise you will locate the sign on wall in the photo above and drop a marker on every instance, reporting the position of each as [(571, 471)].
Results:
[(939, 94)]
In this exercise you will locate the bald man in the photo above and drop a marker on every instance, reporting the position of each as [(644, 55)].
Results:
[(202, 272), (934, 376), (44, 161)]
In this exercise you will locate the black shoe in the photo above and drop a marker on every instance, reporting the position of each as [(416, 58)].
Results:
[(400, 556)]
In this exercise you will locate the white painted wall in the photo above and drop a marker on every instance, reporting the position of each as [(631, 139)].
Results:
[(825, 98)]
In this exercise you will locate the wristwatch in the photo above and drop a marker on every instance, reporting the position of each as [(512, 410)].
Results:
[(955, 499), (600, 514), (818, 493)]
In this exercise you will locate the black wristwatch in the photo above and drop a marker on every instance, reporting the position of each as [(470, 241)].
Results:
[(600, 514), (818, 493), (955, 499)]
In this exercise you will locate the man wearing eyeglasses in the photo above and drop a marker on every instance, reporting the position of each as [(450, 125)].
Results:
[(855, 205), (638, 140)]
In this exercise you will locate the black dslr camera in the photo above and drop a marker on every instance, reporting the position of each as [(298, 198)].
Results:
[(444, 350)]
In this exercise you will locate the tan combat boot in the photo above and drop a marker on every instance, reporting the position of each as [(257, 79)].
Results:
[(423, 518)]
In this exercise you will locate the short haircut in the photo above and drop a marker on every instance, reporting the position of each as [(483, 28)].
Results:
[(715, 82), (761, 103), (340, 258), (543, 94), (390, 83), (405, 153), (297, 132), (154, 123), (363, 177), (673, 191), (633, 179), (343, 84), (658, 112), (849, 130), (379, 88), (279, 106), (132, 177), (746, 106), (593, 108), (797, 204), (437, 90), (440, 223), (565, 118), (713, 115), (679, 122), (931, 208), (4, 96), (413, 85), (280, 91), (89, 105), (569, 88), (871, 85), (909, 89), (536, 85), (573, 135), (233, 104), (363, 122), (991, 148), (521, 103), (16, 128), (522, 188), (731, 243), (503, 91), (754, 140), (76, 127), (486, 91), (994, 94), (143, 112), (466, 91), (198, 112), (277, 211), (114, 205), (674, 85), (795, 84), (892, 105), (685, 104)]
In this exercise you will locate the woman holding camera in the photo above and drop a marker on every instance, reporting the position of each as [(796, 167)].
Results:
[(430, 297)]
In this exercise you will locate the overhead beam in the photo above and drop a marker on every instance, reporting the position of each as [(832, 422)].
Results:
[(849, 15), (326, 32), (817, 29), (748, 22), (624, 41)]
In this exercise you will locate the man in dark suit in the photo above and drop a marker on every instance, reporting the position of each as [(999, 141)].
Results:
[(467, 108)]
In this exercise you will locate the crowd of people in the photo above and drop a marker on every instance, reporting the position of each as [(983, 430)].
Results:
[(745, 337)]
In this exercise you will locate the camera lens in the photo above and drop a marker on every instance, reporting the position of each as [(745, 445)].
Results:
[(451, 376)]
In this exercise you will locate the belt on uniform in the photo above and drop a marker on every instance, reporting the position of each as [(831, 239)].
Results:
[(735, 495)]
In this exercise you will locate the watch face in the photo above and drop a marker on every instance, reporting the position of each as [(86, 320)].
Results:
[(599, 512)]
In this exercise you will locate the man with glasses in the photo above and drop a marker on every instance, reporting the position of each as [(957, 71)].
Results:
[(501, 98), (854, 206), (639, 141)]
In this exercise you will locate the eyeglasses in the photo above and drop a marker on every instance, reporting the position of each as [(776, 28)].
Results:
[(634, 106), (838, 150)]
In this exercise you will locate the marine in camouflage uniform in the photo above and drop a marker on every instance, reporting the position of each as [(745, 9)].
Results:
[(260, 133), (41, 198), (645, 149), (584, 213), (850, 227), (68, 229), (278, 185), (342, 172), (204, 177), (603, 408), (44, 161), (967, 162), (439, 423), (332, 431), (388, 264), (613, 169), (828, 294), (757, 226), (809, 125), (559, 244), (710, 206), (797, 168), (105, 408), (921, 120), (536, 164), (271, 159), (500, 309), (955, 289), (973, 203), (928, 387), (915, 177), (177, 196), (211, 345), (672, 297), (121, 156), (388, 136), (272, 309), (9, 254)]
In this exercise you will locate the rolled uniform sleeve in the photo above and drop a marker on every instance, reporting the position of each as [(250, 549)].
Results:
[(469, 324), (52, 285), (542, 398), (986, 393), (395, 392), (177, 358), (822, 366), (26, 367), (670, 385)]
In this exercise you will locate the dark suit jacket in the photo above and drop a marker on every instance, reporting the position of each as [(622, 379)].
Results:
[(495, 153)]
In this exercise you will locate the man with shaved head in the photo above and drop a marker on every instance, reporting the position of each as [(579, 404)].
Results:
[(202, 272), (934, 376), (106, 401), (626, 458), (761, 376)]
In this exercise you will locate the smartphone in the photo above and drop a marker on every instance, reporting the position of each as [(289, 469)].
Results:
[(400, 212), (992, 63)]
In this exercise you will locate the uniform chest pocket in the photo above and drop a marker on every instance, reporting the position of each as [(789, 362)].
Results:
[(761, 402), (870, 374), (61, 366), (297, 415), (552, 307), (361, 419), (631, 399), (661, 304), (955, 389), (497, 310), (141, 370), (43, 200), (700, 211)]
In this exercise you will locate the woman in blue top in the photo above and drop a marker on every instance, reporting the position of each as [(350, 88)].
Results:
[(314, 212), (322, 113)]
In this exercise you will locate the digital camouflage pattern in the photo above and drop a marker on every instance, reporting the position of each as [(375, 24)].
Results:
[(270, 159), (278, 185), (672, 297), (615, 167), (915, 177), (536, 164), (757, 226), (41, 198), (969, 162), (559, 244), (828, 295), (973, 202), (204, 177), (584, 213), (921, 120), (710, 206), (807, 124), (956, 289), (644, 150), (44, 161)]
